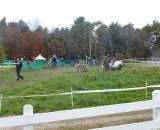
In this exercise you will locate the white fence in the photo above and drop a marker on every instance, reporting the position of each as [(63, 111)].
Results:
[(28, 118), (150, 60)]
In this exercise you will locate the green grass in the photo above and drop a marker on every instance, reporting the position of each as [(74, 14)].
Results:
[(49, 81)]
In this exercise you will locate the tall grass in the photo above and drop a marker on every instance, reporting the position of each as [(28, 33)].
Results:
[(49, 81)]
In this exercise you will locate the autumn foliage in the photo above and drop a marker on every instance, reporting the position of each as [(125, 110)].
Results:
[(83, 38)]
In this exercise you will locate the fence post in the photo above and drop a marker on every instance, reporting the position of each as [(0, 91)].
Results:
[(28, 111), (71, 97), (156, 111), (146, 91), (1, 102)]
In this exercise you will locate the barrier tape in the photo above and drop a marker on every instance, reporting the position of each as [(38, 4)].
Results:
[(83, 92), (31, 96)]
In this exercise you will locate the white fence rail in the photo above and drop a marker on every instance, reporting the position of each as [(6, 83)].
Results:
[(28, 118), (149, 125), (78, 113), (149, 60)]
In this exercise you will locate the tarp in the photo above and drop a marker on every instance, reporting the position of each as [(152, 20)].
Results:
[(40, 57)]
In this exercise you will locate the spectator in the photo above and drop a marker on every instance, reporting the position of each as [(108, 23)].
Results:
[(19, 63), (93, 60), (54, 61), (72, 60)]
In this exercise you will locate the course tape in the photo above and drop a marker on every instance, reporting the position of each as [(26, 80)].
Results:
[(83, 92)]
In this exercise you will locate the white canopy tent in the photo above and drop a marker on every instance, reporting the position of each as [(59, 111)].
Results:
[(40, 57)]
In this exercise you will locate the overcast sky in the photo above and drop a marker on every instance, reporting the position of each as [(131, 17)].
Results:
[(58, 13)]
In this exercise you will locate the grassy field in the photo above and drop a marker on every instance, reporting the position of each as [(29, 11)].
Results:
[(60, 80)]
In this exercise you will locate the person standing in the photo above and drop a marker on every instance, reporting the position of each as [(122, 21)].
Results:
[(106, 61), (19, 64), (54, 61), (72, 60)]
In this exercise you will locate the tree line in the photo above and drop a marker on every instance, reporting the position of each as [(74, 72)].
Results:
[(82, 39)]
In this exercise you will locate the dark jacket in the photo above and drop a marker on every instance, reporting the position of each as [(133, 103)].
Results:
[(19, 65)]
